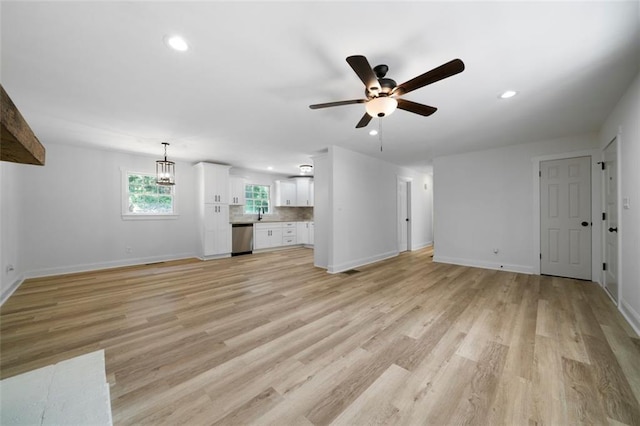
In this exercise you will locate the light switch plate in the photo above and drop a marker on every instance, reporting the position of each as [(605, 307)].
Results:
[(626, 203)]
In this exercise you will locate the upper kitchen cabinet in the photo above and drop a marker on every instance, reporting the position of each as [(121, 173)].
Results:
[(285, 193), (237, 190), (214, 183), (295, 192), (304, 191)]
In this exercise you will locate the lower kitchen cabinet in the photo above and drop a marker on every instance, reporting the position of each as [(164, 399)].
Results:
[(216, 232), (267, 235), (305, 233), (281, 234), (289, 231)]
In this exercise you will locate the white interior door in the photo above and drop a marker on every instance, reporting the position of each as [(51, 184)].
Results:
[(403, 216), (565, 217), (610, 254)]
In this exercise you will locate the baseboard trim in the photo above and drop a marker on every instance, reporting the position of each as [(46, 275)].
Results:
[(632, 317), (336, 269), (12, 288), (87, 267), (420, 246), (522, 269), (215, 256)]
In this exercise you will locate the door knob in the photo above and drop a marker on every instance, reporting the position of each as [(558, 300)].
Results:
[(613, 229), (585, 223)]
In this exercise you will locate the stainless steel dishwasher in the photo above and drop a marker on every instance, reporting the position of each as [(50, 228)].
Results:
[(241, 238)]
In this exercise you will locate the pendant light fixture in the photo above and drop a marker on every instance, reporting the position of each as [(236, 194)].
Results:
[(165, 170)]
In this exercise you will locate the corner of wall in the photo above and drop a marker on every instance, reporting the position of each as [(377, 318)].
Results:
[(11, 289), (632, 317)]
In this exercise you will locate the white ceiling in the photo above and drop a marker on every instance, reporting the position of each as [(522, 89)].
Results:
[(100, 74)]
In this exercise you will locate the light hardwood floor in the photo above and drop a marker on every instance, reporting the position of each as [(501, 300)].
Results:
[(269, 339)]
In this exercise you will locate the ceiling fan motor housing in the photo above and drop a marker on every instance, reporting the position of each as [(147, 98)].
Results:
[(386, 86)]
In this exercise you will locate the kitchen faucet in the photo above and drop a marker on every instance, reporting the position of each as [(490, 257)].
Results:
[(260, 209)]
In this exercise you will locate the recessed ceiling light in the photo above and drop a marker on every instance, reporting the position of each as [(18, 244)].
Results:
[(270, 168), (177, 43), (508, 94), (373, 132)]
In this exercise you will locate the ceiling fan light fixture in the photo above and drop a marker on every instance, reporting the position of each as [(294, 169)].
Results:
[(381, 106)]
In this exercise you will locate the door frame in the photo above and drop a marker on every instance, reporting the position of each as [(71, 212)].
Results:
[(596, 230), (407, 185), (603, 201)]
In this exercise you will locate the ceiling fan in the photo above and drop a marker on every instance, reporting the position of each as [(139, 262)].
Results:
[(383, 95)]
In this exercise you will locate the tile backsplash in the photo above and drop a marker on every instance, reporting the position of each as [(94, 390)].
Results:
[(285, 214)]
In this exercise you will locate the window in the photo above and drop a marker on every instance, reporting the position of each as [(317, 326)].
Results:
[(144, 197), (257, 197)]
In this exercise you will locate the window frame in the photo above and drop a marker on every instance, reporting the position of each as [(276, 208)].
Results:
[(270, 205), (127, 215)]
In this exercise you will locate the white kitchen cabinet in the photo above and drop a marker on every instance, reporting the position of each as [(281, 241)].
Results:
[(267, 235), (305, 233), (213, 210), (237, 186), (303, 192), (295, 192), (214, 183), (289, 232), (217, 230), (311, 193), (285, 193)]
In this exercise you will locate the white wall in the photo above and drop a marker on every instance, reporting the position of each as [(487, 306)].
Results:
[(361, 222), (71, 214), (364, 210), (9, 228), (485, 200), (257, 178), (625, 120), (322, 210)]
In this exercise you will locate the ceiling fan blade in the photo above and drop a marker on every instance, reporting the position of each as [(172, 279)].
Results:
[(339, 103), (366, 118), (361, 66), (443, 71), (416, 108)]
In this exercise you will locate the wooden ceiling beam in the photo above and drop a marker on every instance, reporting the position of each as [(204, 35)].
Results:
[(18, 143)]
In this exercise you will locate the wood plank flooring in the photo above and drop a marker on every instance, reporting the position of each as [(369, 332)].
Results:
[(269, 339)]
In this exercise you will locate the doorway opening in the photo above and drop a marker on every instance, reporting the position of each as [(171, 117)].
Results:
[(610, 254), (404, 214)]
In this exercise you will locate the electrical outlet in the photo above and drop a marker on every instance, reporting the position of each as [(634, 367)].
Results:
[(9, 268), (129, 250), (495, 251)]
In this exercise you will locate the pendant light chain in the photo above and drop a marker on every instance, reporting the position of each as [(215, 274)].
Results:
[(380, 132)]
